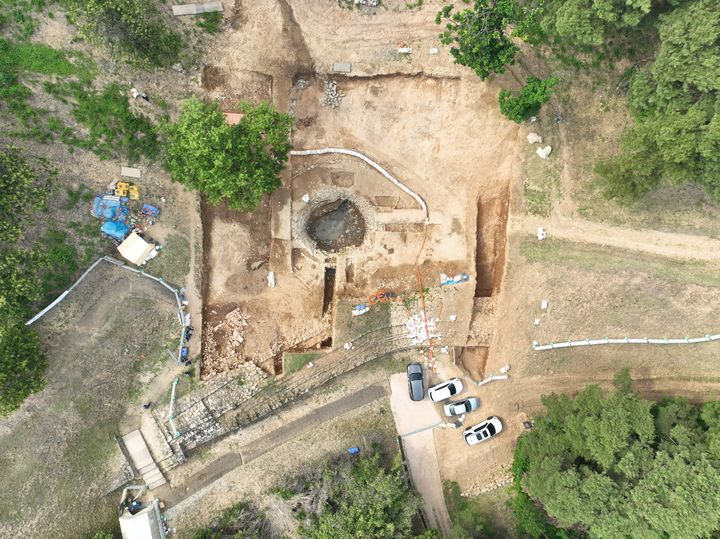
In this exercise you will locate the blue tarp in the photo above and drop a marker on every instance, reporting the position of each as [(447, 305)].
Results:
[(110, 208), (117, 230), (113, 211)]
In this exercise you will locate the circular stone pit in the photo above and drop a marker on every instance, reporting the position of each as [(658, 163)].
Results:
[(336, 225)]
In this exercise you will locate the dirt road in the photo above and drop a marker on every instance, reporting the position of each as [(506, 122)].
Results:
[(669, 244), (415, 422)]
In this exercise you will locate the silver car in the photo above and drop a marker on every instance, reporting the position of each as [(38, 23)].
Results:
[(489, 428), (461, 407)]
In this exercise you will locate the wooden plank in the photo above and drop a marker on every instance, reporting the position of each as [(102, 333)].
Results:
[(196, 9), (130, 172)]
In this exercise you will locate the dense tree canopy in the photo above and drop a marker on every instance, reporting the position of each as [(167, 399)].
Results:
[(233, 163), (676, 105), (587, 22), (479, 35), (533, 95), (22, 363), (620, 466)]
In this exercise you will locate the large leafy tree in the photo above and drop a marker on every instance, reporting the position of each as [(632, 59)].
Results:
[(533, 95), (232, 163), (620, 466), (479, 36), (676, 105)]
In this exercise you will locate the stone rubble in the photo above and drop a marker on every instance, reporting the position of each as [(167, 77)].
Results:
[(497, 480), (332, 94), (223, 342)]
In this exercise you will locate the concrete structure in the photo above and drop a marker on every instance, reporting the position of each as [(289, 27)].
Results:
[(130, 172), (142, 459), (196, 9), (342, 67), (145, 524)]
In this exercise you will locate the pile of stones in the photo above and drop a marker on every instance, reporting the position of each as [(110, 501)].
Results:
[(332, 94), (370, 3)]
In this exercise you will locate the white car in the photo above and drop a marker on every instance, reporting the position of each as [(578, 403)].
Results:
[(461, 407), (445, 390), (489, 428)]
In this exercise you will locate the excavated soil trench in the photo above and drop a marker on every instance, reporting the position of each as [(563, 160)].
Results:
[(492, 213)]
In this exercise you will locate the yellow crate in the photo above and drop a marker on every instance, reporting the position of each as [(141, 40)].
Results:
[(134, 191), (121, 189)]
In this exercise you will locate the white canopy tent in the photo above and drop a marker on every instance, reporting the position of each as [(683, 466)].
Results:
[(137, 250)]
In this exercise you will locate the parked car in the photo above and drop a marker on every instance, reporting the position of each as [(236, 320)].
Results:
[(489, 428), (415, 381), (445, 390), (461, 407)]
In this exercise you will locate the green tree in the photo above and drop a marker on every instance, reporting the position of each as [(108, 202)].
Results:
[(479, 36), (233, 163), (133, 29), (676, 105), (619, 466), (587, 23), (22, 363), (533, 95), (370, 502), (467, 523)]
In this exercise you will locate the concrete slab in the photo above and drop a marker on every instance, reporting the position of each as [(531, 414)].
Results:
[(130, 172), (415, 422), (233, 118), (342, 67), (196, 9)]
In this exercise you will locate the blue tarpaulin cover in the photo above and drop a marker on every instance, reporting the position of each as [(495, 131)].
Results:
[(113, 211), (117, 230)]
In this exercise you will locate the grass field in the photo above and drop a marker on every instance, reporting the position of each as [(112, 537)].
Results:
[(59, 452)]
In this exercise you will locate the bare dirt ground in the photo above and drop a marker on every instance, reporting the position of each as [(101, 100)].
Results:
[(435, 126)]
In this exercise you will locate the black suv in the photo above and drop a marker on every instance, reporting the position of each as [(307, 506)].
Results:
[(415, 381)]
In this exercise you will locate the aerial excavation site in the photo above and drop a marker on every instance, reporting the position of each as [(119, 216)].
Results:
[(359, 269)]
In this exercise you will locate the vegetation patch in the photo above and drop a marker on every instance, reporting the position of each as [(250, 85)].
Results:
[(606, 260), (132, 29), (619, 466), (173, 264), (294, 361)]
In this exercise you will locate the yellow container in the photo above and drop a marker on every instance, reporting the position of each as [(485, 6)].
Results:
[(121, 189)]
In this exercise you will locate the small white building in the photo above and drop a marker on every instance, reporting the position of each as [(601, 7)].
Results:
[(144, 524)]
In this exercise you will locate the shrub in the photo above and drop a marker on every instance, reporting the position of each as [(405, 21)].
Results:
[(533, 95), (133, 29)]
